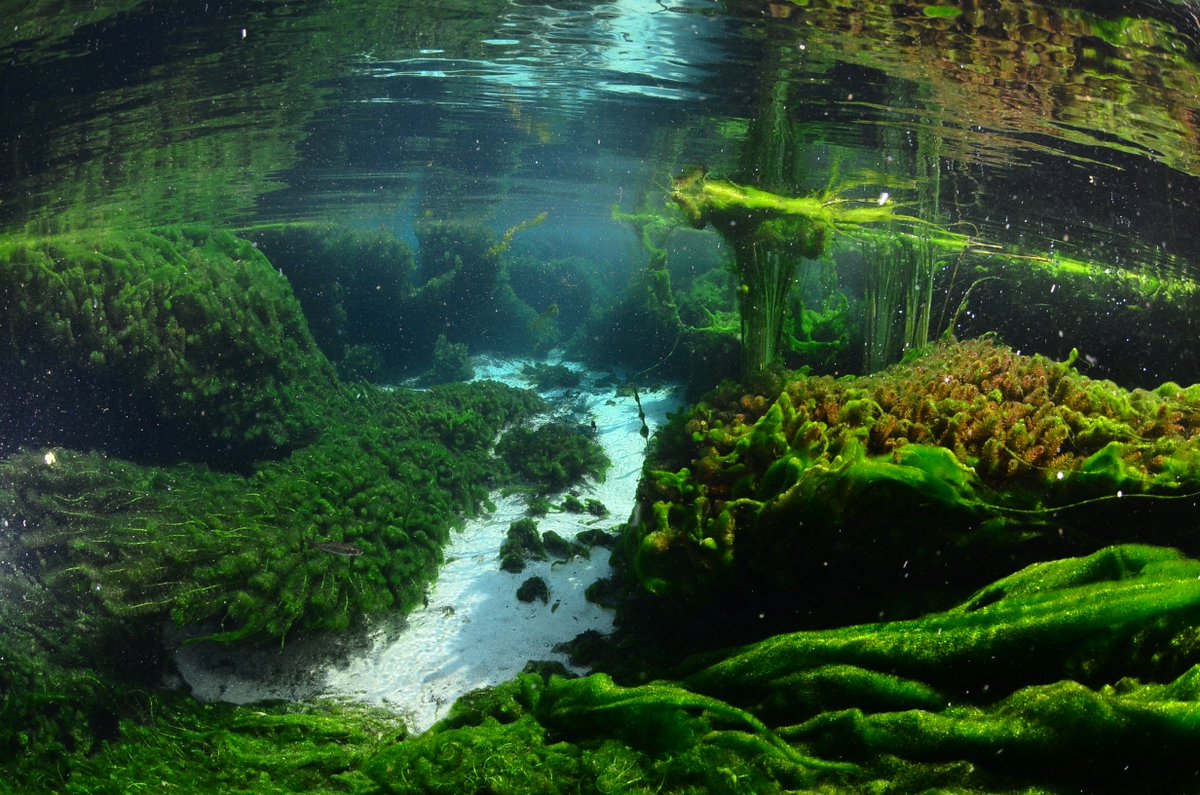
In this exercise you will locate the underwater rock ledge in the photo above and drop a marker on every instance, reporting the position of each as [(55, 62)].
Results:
[(903, 491)]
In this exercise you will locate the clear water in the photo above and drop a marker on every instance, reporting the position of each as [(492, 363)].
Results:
[(1058, 127), (1060, 140)]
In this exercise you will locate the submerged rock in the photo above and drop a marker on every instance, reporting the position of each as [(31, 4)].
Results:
[(534, 589), (902, 491)]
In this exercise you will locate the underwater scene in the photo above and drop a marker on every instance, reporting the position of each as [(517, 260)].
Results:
[(600, 396)]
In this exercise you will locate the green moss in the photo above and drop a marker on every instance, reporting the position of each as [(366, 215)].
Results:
[(552, 457), (451, 363), (560, 549), (1027, 687), (550, 376), (942, 12), (534, 589), (769, 235), (349, 282), (317, 748), (948, 468), (177, 342), (522, 543), (254, 556)]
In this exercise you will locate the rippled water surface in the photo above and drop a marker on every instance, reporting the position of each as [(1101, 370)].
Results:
[(1054, 126)]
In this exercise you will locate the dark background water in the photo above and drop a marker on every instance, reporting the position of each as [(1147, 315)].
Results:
[(1060, 129)]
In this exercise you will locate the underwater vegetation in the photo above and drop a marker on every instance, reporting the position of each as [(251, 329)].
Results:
[(1046, 681), (350, 525), (553, 456), (154, 345), (377, 310), (951, 469), (349, 282), (1076, 674), (306, 504), (464, 289), (770, 235), (451, 363)]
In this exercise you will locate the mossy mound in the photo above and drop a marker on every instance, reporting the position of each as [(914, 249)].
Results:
[(350, 525), (522, 543), (349, 282), (451, 363), (1078, 675), (154, 345), (553, 456), (909, 487)]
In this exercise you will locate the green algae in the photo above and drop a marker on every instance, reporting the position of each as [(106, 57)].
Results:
[(389, 477), (553, 456), (217, 748), (1078, 673), (152, 344), (917, 484), (769, 235), (1054, 678)]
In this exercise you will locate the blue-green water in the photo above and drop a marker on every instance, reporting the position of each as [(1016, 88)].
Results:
[(253, 253)]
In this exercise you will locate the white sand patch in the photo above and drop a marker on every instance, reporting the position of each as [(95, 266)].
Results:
[(474, 632)]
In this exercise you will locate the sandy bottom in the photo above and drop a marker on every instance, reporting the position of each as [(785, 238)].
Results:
[(474, 632)]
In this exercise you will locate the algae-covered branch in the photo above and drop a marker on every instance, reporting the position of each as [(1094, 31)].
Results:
[(770, 235)]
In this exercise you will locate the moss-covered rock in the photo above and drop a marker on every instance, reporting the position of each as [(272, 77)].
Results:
[(909, 488), (350, 525), (553, 456), (169, 344), (522, 544), (534, 589), (349, 282)]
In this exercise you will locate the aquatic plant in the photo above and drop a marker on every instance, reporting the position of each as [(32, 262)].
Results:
[(349, 282), (522, 543), (950, 468), (562, 290), (534, 589), (167, 344), (553, 456), (276, 749), (1013, 690), (1067, 675), (769, 235), (464, 292), (560, 549), (545, 377), (349, 525), (451, 363)]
